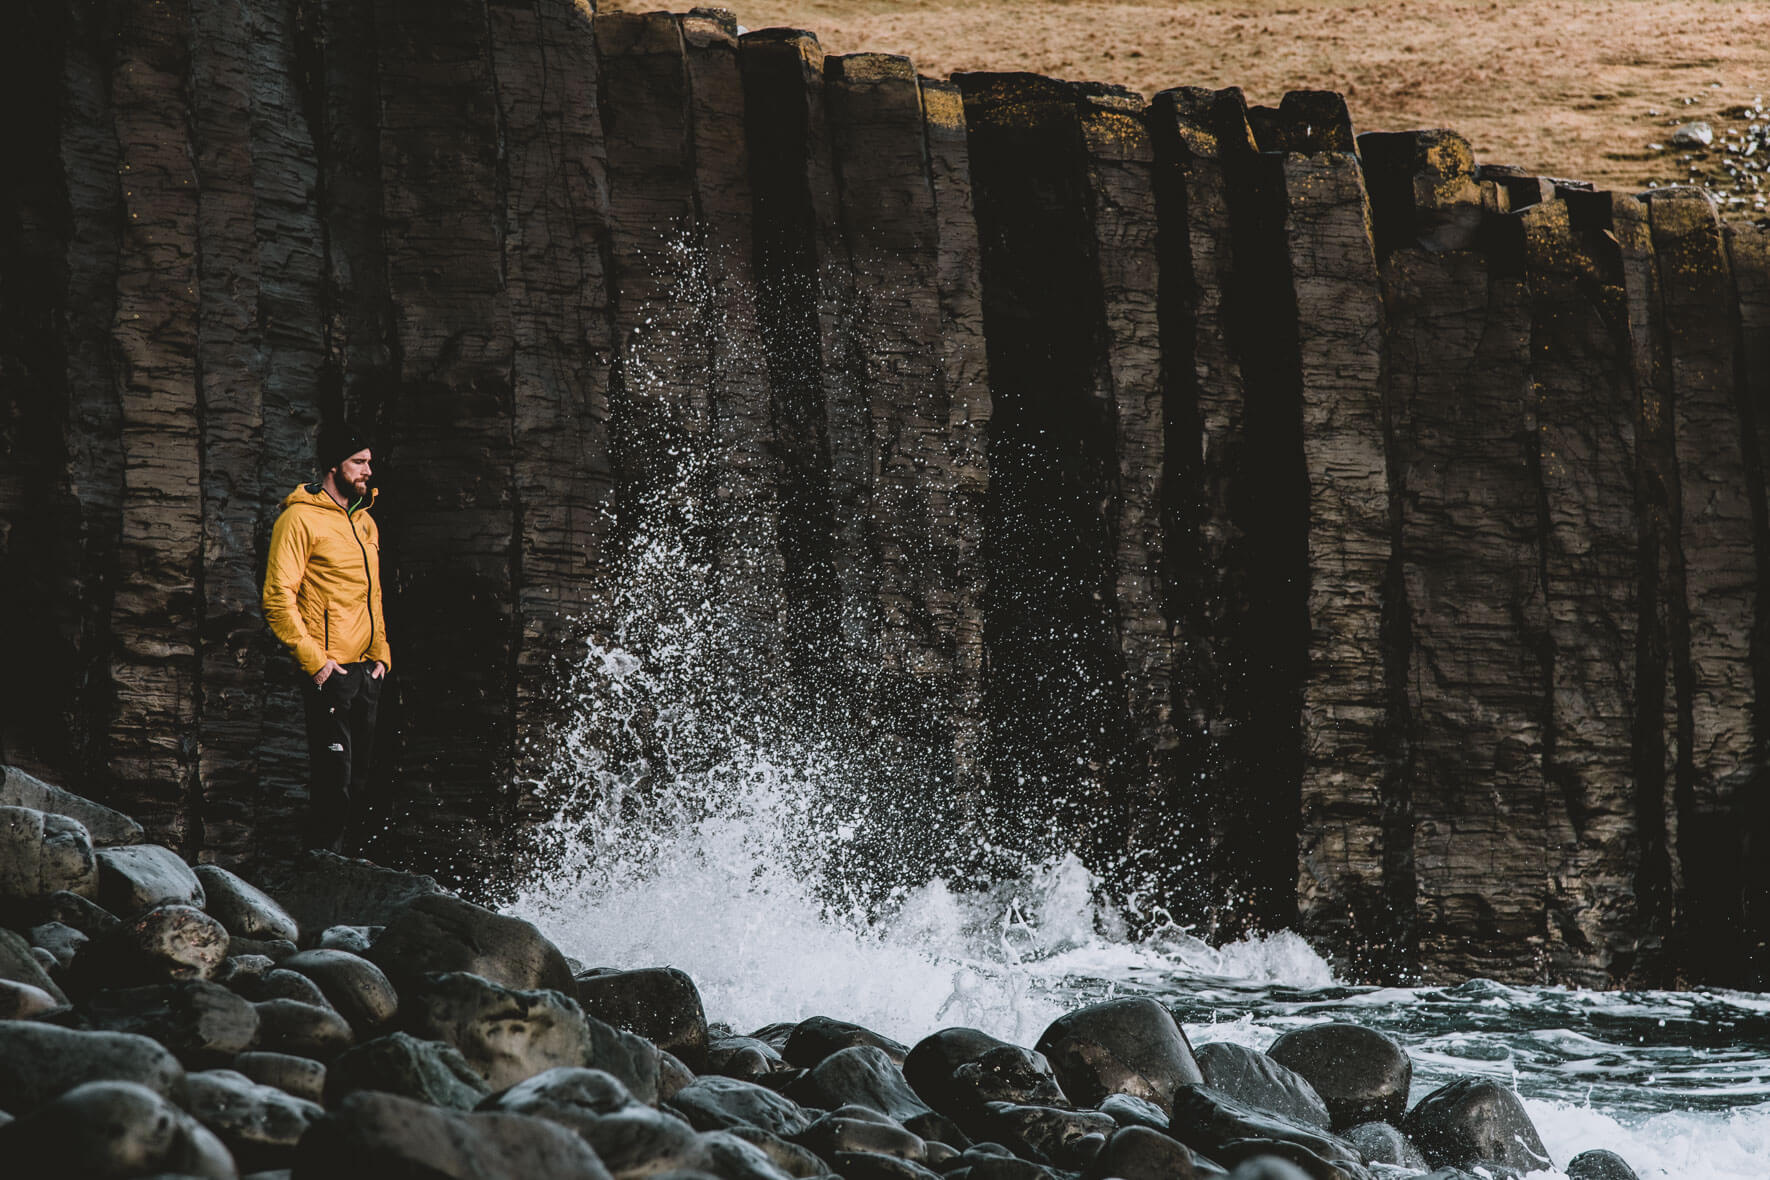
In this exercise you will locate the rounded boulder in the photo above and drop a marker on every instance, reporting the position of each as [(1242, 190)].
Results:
[(1475, 1120), (1125, 1046), (42, 853), (246, 910), (137, 877), (355, 987), (1362, 1075)]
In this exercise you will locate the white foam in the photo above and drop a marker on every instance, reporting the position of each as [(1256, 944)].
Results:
[(1677, 1145)]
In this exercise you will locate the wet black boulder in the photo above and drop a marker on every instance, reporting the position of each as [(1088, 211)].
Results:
[(1599, 1164), (1476, 1120), (354, 987), (1209, 1122), (817, 1037), (858, 1129), (1126, 1046), (203, 1023), (435, 932), (716, 1103), (1142, 1153), (399, 1063), (930, 1064), (865, 1075), (1067, 1139), (374, 1136), (1382, 1143), (746, 1058), (1361, 1074), (1250, 1076), (660, 1004), (113, 1128)]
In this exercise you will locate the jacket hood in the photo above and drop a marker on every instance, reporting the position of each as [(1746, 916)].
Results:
[(313, 495)]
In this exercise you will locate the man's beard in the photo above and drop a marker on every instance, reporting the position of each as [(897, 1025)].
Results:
[(344, 485)]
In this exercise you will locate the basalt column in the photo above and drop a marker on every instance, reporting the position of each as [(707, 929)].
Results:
[(964, 383), (450, 520), (554, 207), (1593, 368), (1228, 530), (1717, 771), (1331, 280), (1465, 496), (1065, 202), (798, 309), (920, 438), (1748, 252), (157, 610)]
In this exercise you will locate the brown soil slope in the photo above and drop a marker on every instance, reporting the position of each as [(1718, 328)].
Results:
[(1571, 88)]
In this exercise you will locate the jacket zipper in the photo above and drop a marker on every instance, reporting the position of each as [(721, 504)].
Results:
[(368, 578), (328, 611)]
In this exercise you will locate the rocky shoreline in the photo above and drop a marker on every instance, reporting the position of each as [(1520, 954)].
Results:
[(162, 1020)]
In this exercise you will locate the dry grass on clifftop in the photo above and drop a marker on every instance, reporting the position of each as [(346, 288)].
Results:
[(1573, 88)]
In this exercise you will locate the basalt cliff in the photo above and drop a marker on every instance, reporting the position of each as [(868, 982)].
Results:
[(1375, 539)]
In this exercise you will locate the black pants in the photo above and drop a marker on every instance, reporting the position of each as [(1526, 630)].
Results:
[(340, 737)]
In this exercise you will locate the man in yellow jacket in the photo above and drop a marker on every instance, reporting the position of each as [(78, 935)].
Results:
[(322, 598)]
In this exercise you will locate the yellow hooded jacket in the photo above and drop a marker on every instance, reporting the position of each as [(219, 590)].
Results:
[(322, 585)]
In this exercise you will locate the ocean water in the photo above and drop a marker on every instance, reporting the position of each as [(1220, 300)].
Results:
[(701, 826), (710, 819)]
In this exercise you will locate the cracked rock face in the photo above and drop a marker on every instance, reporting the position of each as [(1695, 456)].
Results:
[(1378, 531)]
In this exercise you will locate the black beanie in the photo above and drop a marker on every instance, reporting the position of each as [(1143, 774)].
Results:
[(339, 442)]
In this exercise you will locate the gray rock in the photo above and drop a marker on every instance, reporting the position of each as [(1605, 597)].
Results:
[(796, 1161), (719, 1103), (373, 1136), (40, 1061), (1127, 1046), (1250, 1076), (70, 909), (42, 853), (113, 1128), (244, 973), (134, 879), (816, 1037), (569, 1096), (1142, 1153), (202, 1022), (505, 1034), (660, 1004), (1269, 1167), (104, 825), (1007, 1074), (274, 949), (866, 1076), (930, 1064), (277, 984), (436, 933), (862, 1165), (18, 964), (242, 907), (260, 1125), (1475, 1120), (179, 941), (1127, 1111), (355, 939), (745, 1057), (1697, 134), (62, 942), (1599, 1164), (1381, 1143), (673, 1075), (327, 890), (399, 1063), (355, 987), (1225, 1130), (1362, 1075), (302, 1030), (21, 1001), (855, 1128), (640, 1141), (1043, 1134), (302, 1077), (729, 1157)]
